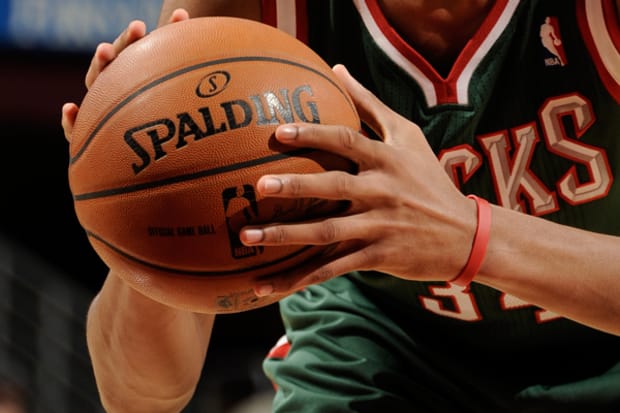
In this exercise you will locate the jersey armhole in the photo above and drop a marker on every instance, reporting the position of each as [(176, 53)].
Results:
[(279, 352), (289, 16), (600, 28)]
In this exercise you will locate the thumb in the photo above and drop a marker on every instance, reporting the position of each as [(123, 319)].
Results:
[(69, 113), (178, 15), (385, 122), (374, 113)]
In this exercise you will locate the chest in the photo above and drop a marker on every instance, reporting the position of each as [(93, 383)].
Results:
[(524, 117)]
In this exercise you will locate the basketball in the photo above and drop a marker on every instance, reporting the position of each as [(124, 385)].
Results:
[(169, 143)]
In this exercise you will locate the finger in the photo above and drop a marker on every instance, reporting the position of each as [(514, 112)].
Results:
[(104, 54), (287, 284), (332, 185), (134, 31), (313, 273), (69, 114), (323, 232), (178, 15), (335, 185), (107, 52), (336, 139)]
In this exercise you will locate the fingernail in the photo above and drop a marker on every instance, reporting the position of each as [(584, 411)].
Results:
[(264, 290), (252, 236), (271, 185), (287, 132)]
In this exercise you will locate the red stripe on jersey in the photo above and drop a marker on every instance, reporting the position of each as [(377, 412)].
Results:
[(302, 20), (446, 90), (399, 43), (269, 12), (598, 23), (280, 350), (269, 15)]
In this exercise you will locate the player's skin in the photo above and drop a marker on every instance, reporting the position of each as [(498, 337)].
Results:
[(11, 408), (148, 357)]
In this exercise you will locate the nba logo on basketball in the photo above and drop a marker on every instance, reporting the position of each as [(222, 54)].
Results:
[(241, 209), (552, 42)]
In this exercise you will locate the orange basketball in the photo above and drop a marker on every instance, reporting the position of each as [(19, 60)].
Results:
[(169, 143)]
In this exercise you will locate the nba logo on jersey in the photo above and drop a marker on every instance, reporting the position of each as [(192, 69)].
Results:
[(552, 42)]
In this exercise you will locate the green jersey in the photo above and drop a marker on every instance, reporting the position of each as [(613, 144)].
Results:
[(528, 118)]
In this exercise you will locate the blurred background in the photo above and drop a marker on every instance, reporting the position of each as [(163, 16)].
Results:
[(48, 272)]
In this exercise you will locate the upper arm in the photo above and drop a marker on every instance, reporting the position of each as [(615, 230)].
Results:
[(248, 9)]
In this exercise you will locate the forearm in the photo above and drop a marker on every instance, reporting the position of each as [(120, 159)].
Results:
[(571, 272), (146, 357), (248, 9)]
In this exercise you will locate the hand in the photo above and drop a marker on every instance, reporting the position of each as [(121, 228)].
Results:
[(106, 53), (406, 218)]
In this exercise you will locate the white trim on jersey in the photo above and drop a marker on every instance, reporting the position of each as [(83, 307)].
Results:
[(286, 12), (290, 16), (605, 47), (280, 349), (599, 27), (393, 53), (432, 84), (464, 79)]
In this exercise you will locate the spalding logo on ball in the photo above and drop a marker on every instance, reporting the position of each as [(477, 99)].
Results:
[(169, 143)]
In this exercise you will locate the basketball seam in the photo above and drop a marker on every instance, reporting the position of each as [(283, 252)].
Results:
[(173, 270), (191, 176)]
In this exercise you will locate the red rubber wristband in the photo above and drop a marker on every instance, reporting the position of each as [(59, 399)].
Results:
[(479, 246)]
